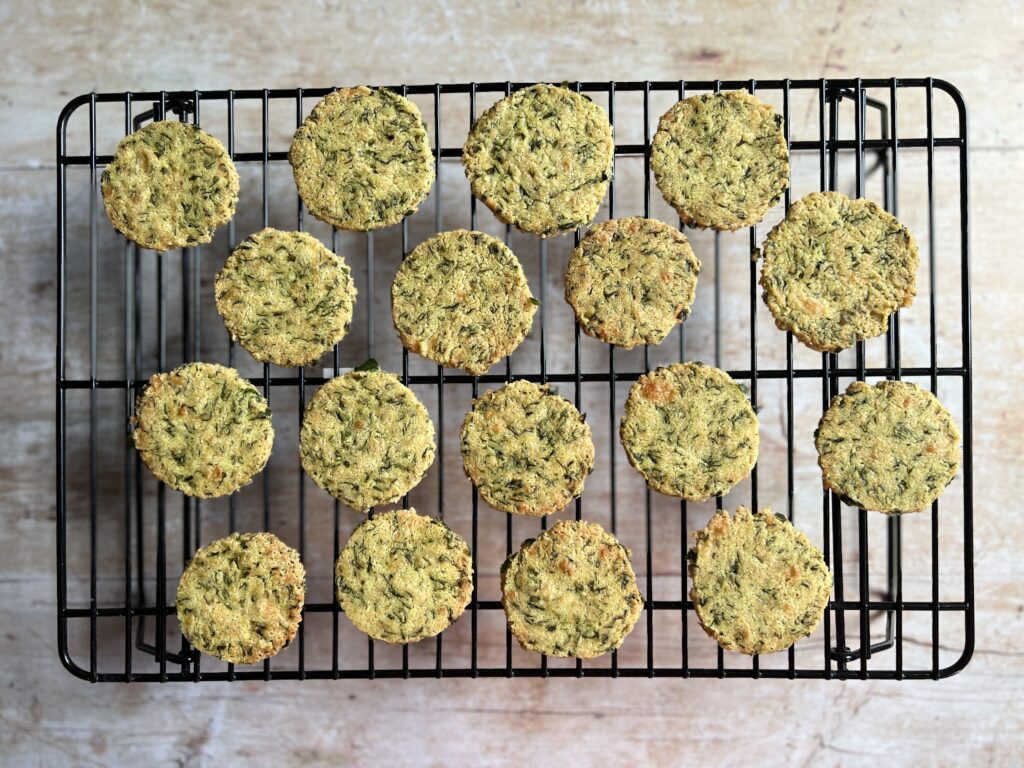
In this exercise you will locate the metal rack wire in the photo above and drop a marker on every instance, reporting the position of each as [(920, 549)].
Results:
[(845, 652)]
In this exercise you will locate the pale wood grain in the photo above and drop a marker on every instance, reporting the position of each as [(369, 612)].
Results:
[(52, 51)]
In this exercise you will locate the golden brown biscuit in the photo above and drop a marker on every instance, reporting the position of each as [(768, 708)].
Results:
[(690, 430), (202, 429), (835, 269), (541, 159), (571, 591), (720, 159), (403, 577), (366, 439), (630, 281), (285, 297), (759, 585), (362, 160), (890, 448), (170, 185), (461, 299), (526, 449), (240, 598)]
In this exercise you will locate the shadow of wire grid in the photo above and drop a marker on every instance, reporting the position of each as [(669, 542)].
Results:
[(903, 600)]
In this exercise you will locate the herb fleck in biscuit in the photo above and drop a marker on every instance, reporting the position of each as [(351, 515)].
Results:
[(403, 577), (361, 160), (240, 598), (835, 269), (720, 159), (541, 159), (285, 297), (366, 439), (169, 185), (461, 299), (631, 280), (526, 449), (890, 448), (571, 591), (759, 585), (203, 429), (690, 431)]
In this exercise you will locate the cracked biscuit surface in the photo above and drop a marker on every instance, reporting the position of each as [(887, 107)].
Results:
[(758, 584), (541, 159), (240, 598), (202, 429), (571, 591), (362, 159), (720, 159), (690, 430), (403, 576), (169, 185), (631, 281), (835, 269), (526, 449), (891, 447), (285, 297)]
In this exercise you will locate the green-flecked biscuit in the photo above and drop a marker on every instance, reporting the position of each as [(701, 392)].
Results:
[(630, 281), (403, 577), (461, 299), (759, 585), (285, 297), (541, 159), (835, 269), (240, 598), (526, 449), (202, 429), (891, 448), (571, 591), (169, 185), (720, 159), (366, 439), (690, 430), (362, 160)]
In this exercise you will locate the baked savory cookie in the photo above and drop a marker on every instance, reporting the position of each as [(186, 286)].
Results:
[(202, 429), (366, 439), (630, 281), (461, 299), (571, 591), (361, 160), (690, 430), (835, 269), (285, 297), (169, 185), (526, 449), (240, 598), (403, 577), (759, 585), (891, 448), (720, 159), (541, 159)]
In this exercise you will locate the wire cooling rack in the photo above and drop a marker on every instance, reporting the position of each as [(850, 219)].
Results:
[(903, 602)]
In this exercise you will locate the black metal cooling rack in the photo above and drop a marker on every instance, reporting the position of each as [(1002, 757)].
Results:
[(115, 632)]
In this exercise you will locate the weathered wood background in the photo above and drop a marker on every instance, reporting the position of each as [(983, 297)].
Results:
[(51, 51)]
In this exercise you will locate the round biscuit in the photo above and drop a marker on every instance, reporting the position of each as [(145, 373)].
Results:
[(571, 591), (541, 159), (202, 429), (241, 597), (758, 584), (403, 577), (169, 185)]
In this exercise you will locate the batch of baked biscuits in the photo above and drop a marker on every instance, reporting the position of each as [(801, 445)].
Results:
[(541, 159)]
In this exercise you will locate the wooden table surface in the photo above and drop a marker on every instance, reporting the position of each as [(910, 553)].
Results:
[(51, 51)]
